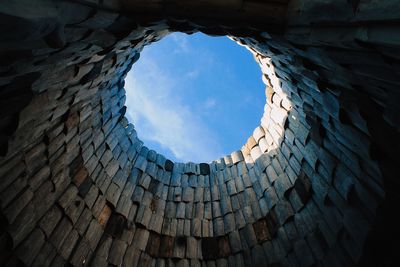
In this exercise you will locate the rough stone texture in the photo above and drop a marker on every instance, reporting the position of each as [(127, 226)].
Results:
[(315, 184)]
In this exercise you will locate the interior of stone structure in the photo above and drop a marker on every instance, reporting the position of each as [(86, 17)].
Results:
[(314, 185)]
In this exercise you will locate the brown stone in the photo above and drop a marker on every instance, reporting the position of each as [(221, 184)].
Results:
[(104, 216), (166, 247), (153, 244), (261, 230)]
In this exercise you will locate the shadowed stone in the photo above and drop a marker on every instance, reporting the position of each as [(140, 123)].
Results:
[(314, 183)]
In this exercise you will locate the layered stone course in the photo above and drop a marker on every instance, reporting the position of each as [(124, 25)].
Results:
[(314, 185)]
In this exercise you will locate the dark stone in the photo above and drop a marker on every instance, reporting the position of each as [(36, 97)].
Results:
[(153, 244), (210, 248), (85, 187), (17, 94), (261, 230), (56, 39), (204, 169), (223, 247), (153, 186), (272, 222), (116, 225), (75, 165), (169, 165), (180, 247), (303, 187), (166, 246), (93, 74)]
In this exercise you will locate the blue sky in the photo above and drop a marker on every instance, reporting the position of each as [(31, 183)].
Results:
[(195, 97)]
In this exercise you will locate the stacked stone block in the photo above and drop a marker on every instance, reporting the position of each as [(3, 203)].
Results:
[(79, 188)]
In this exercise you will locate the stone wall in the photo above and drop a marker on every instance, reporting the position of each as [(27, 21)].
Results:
[(314, 185)]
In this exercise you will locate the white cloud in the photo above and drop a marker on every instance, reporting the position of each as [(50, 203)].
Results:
[(160, 115), (182, 43)]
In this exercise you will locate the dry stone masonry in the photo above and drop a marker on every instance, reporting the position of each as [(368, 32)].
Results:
[(316, 184)]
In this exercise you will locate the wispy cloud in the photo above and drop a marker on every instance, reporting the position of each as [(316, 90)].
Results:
[(182, 43), (215, 121), (161, 116), (210, 103), (193, 74)]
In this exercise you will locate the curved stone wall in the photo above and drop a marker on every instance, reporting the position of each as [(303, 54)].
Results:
[(314, 185)]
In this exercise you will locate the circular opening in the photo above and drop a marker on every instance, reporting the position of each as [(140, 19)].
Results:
[(195, 97)]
